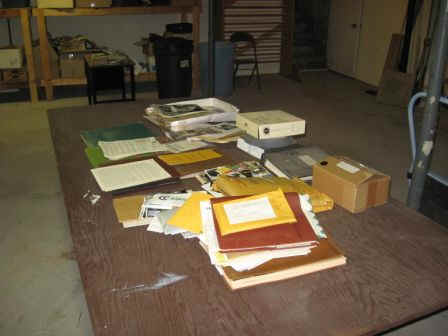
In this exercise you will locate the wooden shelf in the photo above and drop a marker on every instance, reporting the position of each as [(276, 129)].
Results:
[(13, 85), (9, 12), (109, 11), (24, 15), (146, 77), (41, 13), (142, 77)]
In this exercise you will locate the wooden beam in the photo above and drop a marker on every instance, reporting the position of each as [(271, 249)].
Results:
[(110, 11), (9, 13), (27, 42), (44, 54)]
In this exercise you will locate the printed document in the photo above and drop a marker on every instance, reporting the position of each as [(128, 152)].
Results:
[(116, 150), (249, 211), (184, 145), (129, 174)]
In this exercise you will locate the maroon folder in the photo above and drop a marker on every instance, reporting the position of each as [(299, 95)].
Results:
[(299, 233)]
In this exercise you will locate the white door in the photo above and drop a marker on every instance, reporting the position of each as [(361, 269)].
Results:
[(343, 36)]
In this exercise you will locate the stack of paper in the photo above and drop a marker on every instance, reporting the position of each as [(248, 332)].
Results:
[(221, 132), (185, 115), (123, 132), (270, 253), (249, 239), (160, 208), (294, 162)]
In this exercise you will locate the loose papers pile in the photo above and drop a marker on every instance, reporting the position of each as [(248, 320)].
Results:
[(249, 239), (106, 145)]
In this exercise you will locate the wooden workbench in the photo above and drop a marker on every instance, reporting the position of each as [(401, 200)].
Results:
[(24, 14), (41, 13), (397, 268)]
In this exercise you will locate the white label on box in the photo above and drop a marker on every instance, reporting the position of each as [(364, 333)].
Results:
[(248, 211), (307, 160), (184, 63), (348, 167)]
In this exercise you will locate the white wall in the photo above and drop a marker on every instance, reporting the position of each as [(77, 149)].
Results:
[(118, 32)]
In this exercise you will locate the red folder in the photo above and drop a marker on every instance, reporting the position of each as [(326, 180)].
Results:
[(299, 233)]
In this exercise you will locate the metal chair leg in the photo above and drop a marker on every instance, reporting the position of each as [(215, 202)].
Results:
[(235, 70), (251, 75), (258, 76)]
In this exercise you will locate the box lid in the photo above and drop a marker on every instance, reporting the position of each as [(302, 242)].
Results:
[(262, 118), (349, 170)]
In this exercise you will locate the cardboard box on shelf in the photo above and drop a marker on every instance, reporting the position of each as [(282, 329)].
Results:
[(54, 63), (352, 185), (93, 3), (14, 75), (11, 58), (55, 3), (72, 66)]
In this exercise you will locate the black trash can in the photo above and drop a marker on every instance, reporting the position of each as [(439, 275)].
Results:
[(173, 66)]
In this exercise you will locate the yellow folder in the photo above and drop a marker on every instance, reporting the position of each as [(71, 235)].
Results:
[(188, 216), (189, 157), (253, 212)]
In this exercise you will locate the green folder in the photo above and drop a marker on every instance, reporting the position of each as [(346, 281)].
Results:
[(122, 132), (96, 157)]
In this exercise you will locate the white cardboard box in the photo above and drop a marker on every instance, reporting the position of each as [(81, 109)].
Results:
[(270, 124), (11, 58)]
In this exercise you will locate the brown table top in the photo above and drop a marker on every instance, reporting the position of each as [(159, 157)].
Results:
[(397, 268)]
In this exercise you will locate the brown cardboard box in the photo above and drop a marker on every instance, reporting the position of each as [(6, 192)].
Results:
[(11, 58), (72, 66), (15, 75), (93, 3), (352, 185), (54, 62), (55, 3)]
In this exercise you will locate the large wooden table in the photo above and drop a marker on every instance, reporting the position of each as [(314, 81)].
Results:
[(397, 268)]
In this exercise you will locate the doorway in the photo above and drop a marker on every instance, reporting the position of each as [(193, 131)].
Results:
[(310, 34)]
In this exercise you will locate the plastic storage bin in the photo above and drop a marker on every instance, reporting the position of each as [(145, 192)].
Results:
[(173, 66), (223, 68)]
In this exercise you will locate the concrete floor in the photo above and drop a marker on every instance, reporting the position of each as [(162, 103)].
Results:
[(40, 288)]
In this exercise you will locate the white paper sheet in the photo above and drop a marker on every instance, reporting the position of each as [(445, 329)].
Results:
[(166, 200), (115, 150), (129, 174), (248, 211), (184, 146), (208, 228)]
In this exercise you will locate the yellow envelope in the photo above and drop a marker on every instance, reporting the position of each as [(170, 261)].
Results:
[(189, 157), (235, 186), (253, 212), (188, 216)]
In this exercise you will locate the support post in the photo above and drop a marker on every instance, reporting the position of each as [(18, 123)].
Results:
[(27, 43), (45, 54), (438, 57)]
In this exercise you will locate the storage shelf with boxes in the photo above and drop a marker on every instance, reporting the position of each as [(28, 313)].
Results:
[(184, 7)]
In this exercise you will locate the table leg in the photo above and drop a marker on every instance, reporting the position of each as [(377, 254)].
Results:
[(132, 83)]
